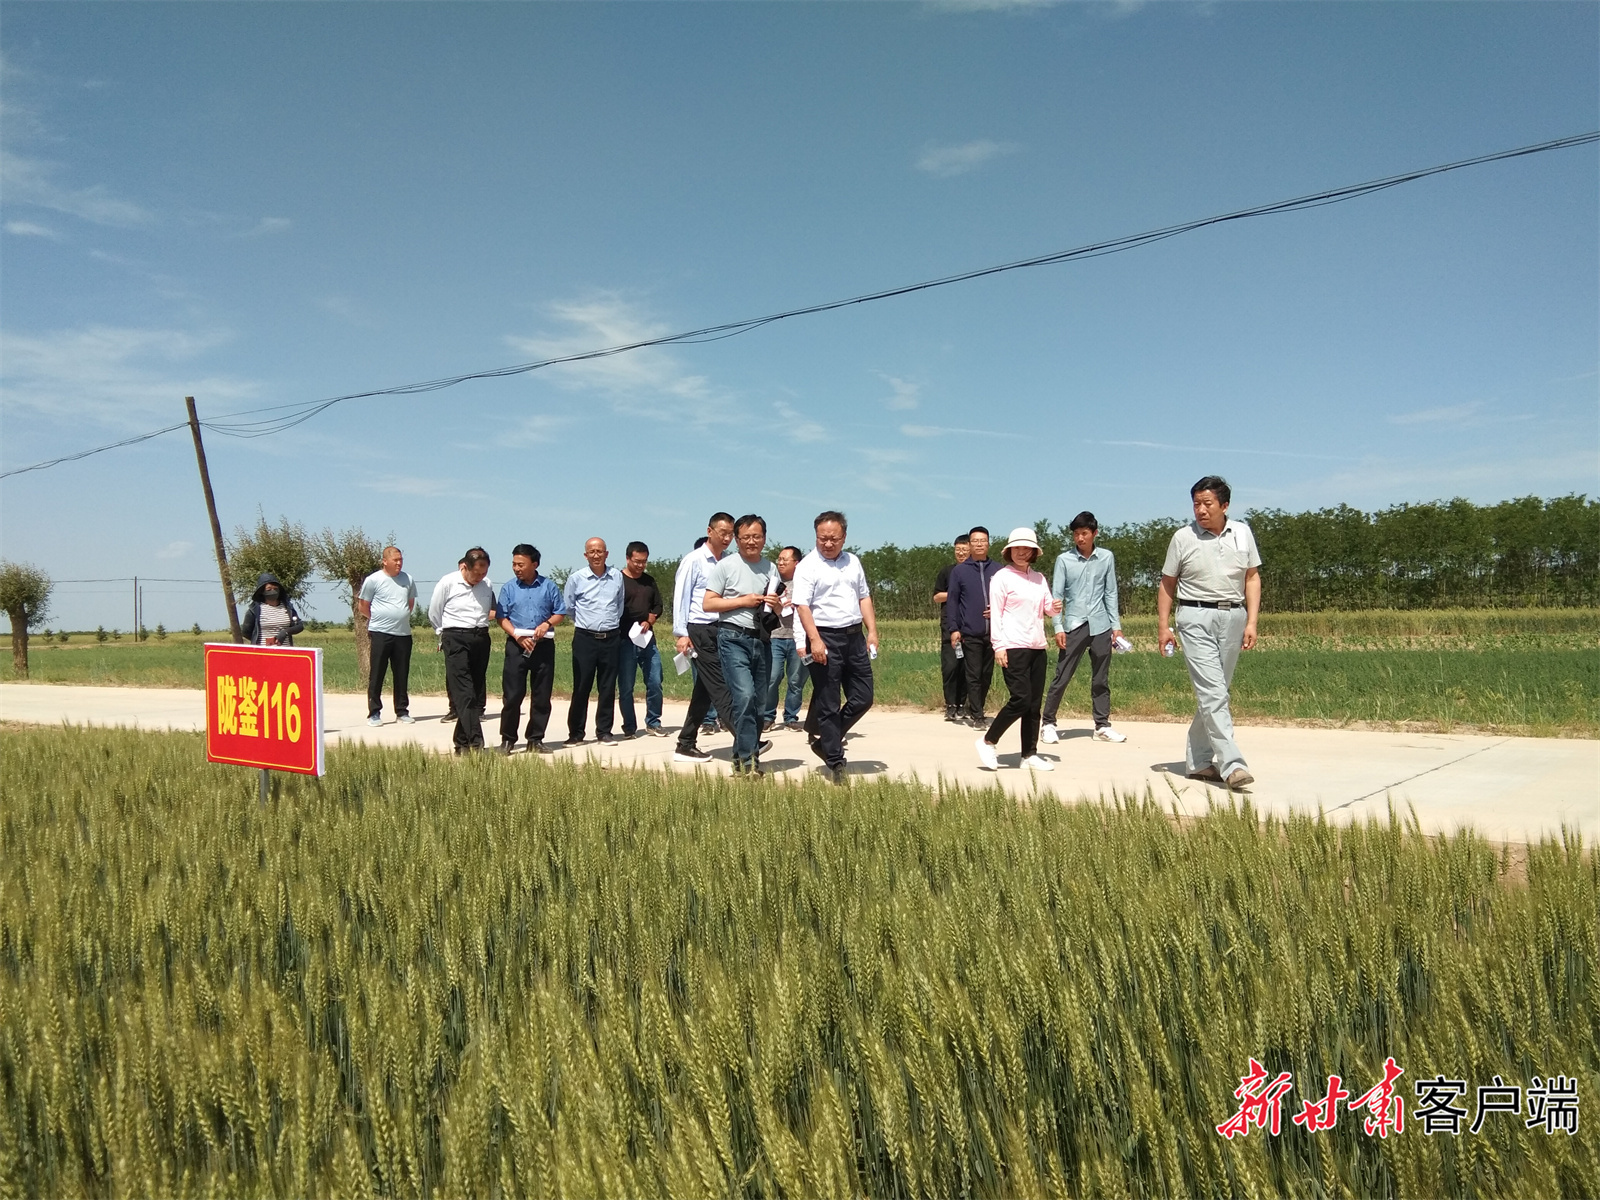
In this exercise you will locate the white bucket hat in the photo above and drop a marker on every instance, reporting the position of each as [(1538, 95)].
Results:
[(1021, 536)]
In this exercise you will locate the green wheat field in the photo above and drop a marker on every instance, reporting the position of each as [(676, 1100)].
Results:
[(429, 977)]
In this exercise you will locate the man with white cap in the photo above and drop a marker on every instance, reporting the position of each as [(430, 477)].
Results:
[(1213, 571), (1019, 600)]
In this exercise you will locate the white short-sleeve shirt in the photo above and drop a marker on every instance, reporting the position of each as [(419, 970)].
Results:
[(833, 588), (1211, 566)]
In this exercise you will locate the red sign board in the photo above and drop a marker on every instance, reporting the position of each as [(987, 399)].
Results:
[(264, 707)]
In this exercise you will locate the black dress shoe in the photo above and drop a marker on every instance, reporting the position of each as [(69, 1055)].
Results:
[(608, 739), (573, 741)]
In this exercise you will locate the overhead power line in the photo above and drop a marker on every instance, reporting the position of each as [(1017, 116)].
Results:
[(282, 417)]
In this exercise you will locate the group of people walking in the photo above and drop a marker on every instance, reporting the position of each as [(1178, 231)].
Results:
[(992, 614), (752, 630)]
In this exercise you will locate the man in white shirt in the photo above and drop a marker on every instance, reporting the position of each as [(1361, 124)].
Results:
[(459, 612), (696, 632), (1213, 572), (833, 603), (386, 599)]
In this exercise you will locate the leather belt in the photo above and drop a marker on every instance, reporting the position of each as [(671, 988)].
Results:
[(600, 634), (1222, 604)]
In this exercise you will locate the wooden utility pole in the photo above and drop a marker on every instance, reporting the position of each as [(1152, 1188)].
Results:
[(216, 526)]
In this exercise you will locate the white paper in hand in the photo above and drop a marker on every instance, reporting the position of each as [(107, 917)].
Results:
[(640, 636), (681, 661)]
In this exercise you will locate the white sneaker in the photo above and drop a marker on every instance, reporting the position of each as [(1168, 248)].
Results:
[(987, 756), (406, 719), (1048, 734), (1034, 763), (1107, 734), (374, 721)]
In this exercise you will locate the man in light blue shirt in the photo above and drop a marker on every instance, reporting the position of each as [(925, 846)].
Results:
[(529, 608), (594, 598), (1086, 584), (386, 599)]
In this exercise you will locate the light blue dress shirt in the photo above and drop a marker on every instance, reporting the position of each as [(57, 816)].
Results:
[(595, 601), (1087, 589), (529, 605)]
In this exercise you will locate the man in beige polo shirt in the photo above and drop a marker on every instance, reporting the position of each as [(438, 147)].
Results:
[(1213, 572)]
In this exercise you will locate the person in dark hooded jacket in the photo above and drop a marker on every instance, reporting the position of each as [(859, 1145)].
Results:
[(271, 620)]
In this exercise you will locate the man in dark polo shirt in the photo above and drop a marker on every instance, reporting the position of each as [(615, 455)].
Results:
[(951, 668), (641, 605)]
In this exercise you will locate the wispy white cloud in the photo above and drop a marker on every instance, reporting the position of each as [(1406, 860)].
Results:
[(905, 394), (347, 309), (933, 431), (34, 181), (414, 485), (29, 229), (797, 427), (269, 225), (174, 550), (118, 375), (991, 5), (535, 430), (945, 161), (651, 382), (1447, 415)]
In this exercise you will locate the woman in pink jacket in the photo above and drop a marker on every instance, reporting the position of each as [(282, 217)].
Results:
[(1019, 600)]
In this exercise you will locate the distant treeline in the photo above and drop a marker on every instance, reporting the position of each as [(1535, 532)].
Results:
[(1444, 554)]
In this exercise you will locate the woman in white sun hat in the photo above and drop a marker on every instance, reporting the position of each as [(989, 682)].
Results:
[(1019, 600)]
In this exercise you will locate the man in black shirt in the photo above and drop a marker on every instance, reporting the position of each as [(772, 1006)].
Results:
[(641, 605), (950, 667)]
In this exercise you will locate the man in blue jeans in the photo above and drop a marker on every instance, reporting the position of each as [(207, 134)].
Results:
[(785, 653), (740, 589), (641, 605)]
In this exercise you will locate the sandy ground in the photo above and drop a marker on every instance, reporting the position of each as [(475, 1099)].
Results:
[(1511, 789)]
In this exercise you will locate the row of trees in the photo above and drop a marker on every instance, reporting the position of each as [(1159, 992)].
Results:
[(1438, 555), (1442, 554), (343, 557)]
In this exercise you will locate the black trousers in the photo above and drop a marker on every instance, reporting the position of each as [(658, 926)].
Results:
[(595, 657), (953, 670), (848, 671), (709, 686), (1024, 674), (466, 670), (1099, 647), (979, 662), (527, 674), (389, 649)]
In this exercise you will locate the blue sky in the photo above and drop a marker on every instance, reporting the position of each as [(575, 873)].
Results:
[(268, 204)]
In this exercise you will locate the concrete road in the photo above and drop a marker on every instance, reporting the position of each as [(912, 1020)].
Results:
[(1510, 789)]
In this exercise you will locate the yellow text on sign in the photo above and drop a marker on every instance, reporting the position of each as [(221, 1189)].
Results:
[(264, 710)]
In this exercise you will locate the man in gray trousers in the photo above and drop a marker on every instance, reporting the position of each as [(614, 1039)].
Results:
[(1213, 572)]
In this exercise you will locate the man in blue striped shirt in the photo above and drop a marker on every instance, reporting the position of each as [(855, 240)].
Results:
[(594, 598), (1086, 584)]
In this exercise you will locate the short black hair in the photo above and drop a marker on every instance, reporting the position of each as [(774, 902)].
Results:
[(636, 548), (831, 515), (750, 519), (963, 539), (719, 516), (795, 550), (526, 551), (1084, 520), (977, 529), (699, 541), (475, 556), (1214, 484)]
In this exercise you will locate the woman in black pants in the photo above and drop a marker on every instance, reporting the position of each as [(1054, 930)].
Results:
[(1019, 600)]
